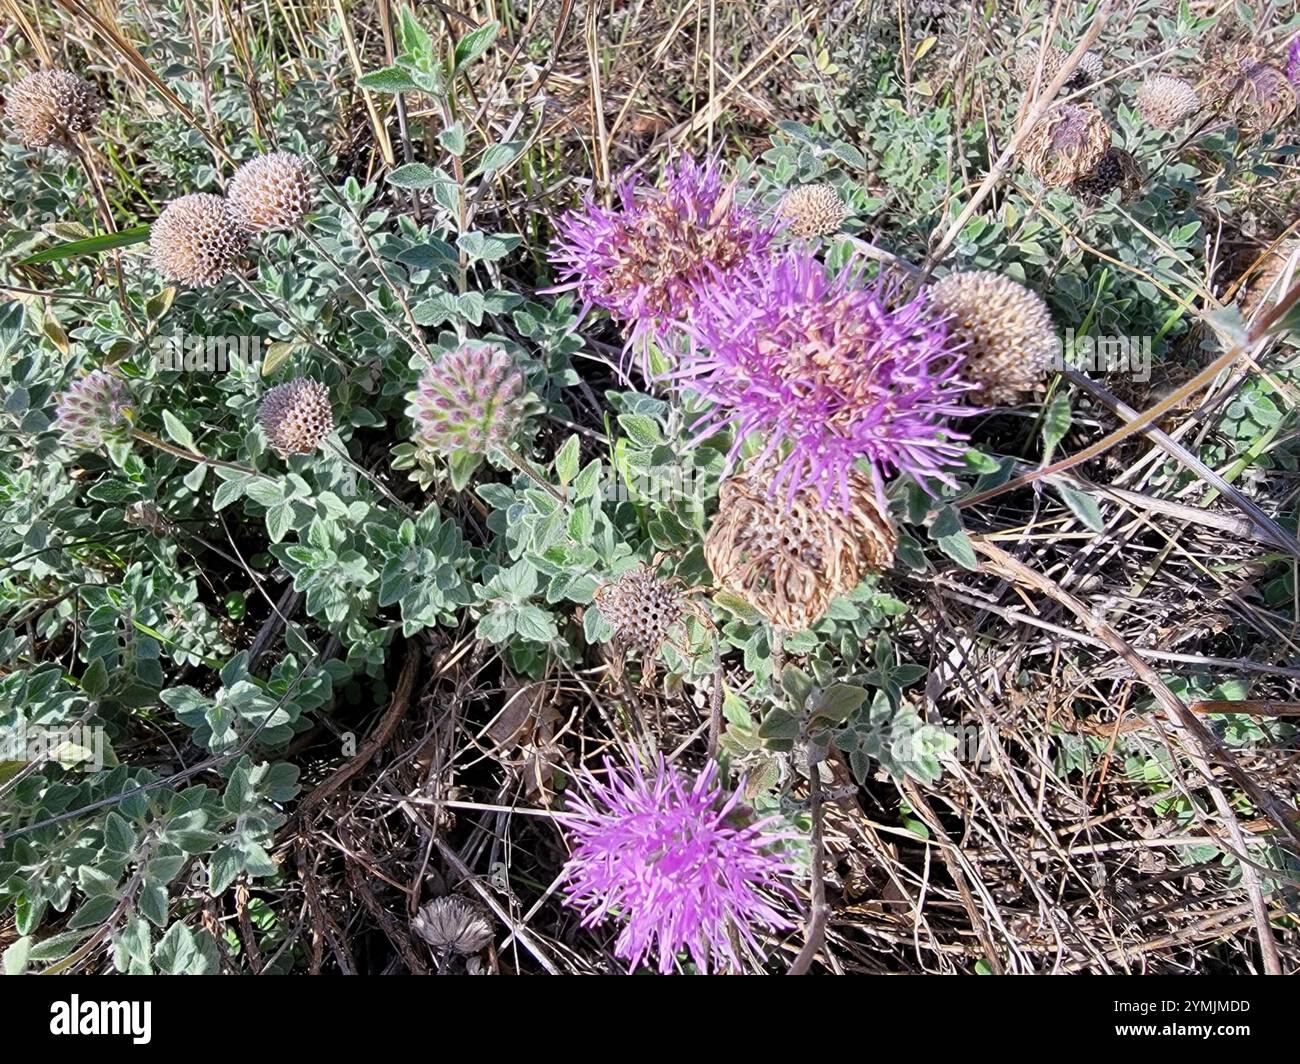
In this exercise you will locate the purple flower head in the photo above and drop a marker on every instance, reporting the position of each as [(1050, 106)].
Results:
[(93, 410), (1293, 62), (662, 854), (647, 260), (828, 372)]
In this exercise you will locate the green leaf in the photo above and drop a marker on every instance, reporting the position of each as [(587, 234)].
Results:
[(474, 44), (838, 702), (1082, 505), (779, 724), (947, 532), (453, 138), (566, 460), (499, 156), (95, 911), (1056, 423), (390, 79), (91, 245), (414, 175), (16, 956), (177, 431)]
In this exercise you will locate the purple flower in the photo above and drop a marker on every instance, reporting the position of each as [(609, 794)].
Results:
[(666, 857), (1293, 62), (827, 372), (93, 411), (647, 260)]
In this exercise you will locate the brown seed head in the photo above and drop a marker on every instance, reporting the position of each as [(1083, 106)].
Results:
[(49, 106), (197, 240), (453, 923), (812, 210), (1067, 144), (1007, 331), (272, 191), (641, 608), (789, 559), (296, 416), (1167, 102), (1117, 169)]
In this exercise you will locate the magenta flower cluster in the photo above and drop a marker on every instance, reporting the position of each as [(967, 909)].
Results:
[(647, 260), (829, 371), (1293, 62), (671, 859)]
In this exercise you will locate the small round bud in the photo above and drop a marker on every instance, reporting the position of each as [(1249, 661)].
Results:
[(48, 107), (296, 416), (197, 240)]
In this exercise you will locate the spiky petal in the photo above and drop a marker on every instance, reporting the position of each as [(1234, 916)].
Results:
[(646, 260), (827, 372), (472, 400), (273, 191), (296, 415), (673, 860), (48, 107), (93, 410), (197, 240)]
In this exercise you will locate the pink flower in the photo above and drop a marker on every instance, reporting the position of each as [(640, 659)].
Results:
[(647, 260), (827, 373), (673, 861)]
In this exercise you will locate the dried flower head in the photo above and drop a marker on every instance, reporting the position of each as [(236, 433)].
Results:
[(296, 415), (1067, 144), (453, 923), (1264, 285), (93, 411), (272, 191), (812, 210), (1117, 169), (1025, 64), (641, 608), (674, 860), (1167, 102), (1254, 92), (789, 560), (828, 372), (48, 107), (471, 400), (1007, 329), (197, 240), (648, 260)]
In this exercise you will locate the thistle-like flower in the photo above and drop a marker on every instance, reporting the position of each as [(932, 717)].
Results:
[(827, 372), (641, 608), (812, 210), (789, 560), (1007, 331), (1067, 144), (197, 240), (472, 400), (1117, 169), (93, 411), (1254, 92), (296, 416), (453, 923), (675, 862), (48, 107), (272, 191), (1167, 102), (648, 260)]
